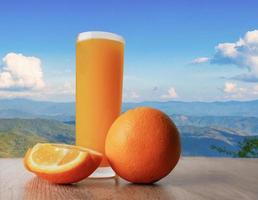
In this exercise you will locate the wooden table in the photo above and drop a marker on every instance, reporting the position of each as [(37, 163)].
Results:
[(194, 178)]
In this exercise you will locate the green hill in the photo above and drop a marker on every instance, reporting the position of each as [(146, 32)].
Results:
[(17, 135), (16, 144), (239, 125)]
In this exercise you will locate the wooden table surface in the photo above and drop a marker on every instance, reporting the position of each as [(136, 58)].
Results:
[(193, 178)]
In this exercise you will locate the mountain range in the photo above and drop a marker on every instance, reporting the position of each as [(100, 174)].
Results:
[(227, 108), (25, 122), (26, 108), (17, 135)]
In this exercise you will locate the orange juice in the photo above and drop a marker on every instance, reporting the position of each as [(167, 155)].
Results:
[(99, 78)]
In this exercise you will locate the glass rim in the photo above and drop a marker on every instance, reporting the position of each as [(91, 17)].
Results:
[(99, 35)]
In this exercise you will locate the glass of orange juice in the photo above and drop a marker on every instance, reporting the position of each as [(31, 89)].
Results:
[(99, 79)]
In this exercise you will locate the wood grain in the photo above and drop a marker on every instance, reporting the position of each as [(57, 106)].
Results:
[(194, 178)]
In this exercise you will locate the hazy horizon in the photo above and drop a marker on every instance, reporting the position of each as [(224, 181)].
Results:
[(174, 100)]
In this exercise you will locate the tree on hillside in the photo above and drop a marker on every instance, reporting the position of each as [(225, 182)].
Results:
[(248, 148)]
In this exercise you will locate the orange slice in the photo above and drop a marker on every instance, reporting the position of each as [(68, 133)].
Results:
[(61, 163)]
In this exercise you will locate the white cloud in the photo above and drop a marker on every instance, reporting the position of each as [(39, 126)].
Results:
[(243, 53), (200, 60), (21, 72), (53, 92), (67, 88), (14, 94), (171, 94), (251, 37), (255, 89), (230, 87), (134, 95), (240, 92), (226, 50), (22, 76), (130, 95), (233, 91)]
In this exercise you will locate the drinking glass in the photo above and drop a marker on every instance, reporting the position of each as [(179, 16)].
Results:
[(99, 79)]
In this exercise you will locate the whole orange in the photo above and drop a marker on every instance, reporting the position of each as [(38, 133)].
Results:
[(143, 145)]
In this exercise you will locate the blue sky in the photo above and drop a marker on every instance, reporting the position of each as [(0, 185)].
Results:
[(164, 43)]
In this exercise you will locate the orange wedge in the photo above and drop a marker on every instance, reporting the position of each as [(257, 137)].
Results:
[(61, 163)]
